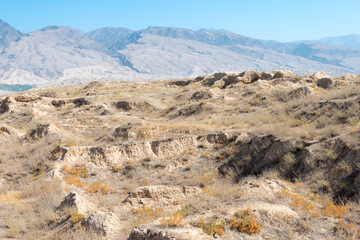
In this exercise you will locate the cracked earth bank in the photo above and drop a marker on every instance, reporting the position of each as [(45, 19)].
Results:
[(230, 156)]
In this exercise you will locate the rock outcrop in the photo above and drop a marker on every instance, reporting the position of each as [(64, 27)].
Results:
[(324, 82), (161, 196), (259, 154), (75, 201), (4, 106), (26, 98), (105, 223)]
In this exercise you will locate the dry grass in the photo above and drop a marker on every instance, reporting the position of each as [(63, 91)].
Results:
[(29, 196), (332, 210), (245, 221), (212, 226), (78, 170), (74, 180), (98, 187), (298, 201), (347, 230), (174, 220), (76, 217), (116, 169), (146, 214)]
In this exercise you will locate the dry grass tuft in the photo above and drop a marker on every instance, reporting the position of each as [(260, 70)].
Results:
[(300, 202), (332, 210), (347, 230), (76, 217), (146, 214), (78, 170), (212, 226), (98, 187), (74, 180), (297, 200), (174, 220), (10, 197), (245, 221), (116, 169)]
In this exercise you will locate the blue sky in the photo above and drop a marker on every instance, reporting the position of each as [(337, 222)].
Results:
[(265, 19)]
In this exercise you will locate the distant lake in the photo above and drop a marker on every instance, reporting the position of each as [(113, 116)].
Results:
[(15, 87)]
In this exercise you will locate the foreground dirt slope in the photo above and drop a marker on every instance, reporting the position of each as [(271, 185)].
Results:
[(231, 156)]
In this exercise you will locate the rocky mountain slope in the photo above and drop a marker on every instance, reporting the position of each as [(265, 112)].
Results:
[(7, 35), (352, 40), (56, 55), (249, 155)]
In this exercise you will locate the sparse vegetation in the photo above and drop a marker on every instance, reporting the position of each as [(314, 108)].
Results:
[(146, 214), (212, 226), (76, 217), (286, 148), (245, 221), (98, 187), (116, 169), (332, 210), (174, 220)]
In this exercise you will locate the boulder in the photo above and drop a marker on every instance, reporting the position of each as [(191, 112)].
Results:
[(219, 84), (249, 76), (105, 223), (218, 76), (123, 105), (57, 103), (80, 102), (231, 79), (282, 74), (74, 200), (214, 78), (324, 83), (319, 75), (265, 76), (26, 98), (153, 232)]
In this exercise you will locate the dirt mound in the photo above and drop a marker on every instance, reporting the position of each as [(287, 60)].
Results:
[(161, 196)]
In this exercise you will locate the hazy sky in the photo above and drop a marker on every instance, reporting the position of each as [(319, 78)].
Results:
[(282, 20)]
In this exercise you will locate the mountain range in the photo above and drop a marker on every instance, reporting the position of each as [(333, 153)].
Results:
[(59, 55)]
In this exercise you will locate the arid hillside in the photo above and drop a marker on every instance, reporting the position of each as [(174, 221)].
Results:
[(248, 155)]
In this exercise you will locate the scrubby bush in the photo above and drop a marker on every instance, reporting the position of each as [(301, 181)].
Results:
[(245, 221), (212, 226)]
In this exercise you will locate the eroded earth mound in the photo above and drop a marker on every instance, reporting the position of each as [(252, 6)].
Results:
[(248, 155)]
